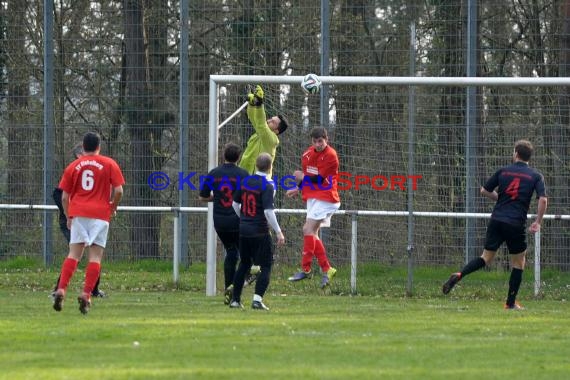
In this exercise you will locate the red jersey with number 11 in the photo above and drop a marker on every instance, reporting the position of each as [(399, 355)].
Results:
[(89, 181)]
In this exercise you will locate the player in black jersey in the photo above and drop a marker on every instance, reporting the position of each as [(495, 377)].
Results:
[(218, 187), (512, 187), (253, 202)]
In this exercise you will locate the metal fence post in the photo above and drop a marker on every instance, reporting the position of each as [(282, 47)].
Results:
[(176, 245), (353, 252), (537, 263)]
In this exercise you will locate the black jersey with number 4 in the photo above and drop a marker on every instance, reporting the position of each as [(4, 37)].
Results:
[(255, 195), (223, 182), (515, 185)]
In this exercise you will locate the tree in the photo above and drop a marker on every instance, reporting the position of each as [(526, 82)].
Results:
[(144, 226), (19, 126)]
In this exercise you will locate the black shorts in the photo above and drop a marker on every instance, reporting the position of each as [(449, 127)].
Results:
[(230, 239), (226, 223), (499, 232), (258, 249)]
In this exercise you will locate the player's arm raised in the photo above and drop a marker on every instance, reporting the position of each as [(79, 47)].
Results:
[(256, 111)]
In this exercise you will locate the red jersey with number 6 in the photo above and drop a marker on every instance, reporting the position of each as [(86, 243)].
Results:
[(515, 185), (325, 165), (89, 181)]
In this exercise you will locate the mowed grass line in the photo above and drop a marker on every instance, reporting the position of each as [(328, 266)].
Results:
[(186, 335)]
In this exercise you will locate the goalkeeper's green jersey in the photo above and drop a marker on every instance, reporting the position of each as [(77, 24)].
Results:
[(264, 140)]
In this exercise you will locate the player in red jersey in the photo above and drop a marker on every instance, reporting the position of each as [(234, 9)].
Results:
[(318, 185), (57, 193), (87, 185)]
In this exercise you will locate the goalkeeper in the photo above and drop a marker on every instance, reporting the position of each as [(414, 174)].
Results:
[(264, 140)]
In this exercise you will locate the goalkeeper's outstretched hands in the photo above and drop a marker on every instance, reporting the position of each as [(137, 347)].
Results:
[(255, 98)]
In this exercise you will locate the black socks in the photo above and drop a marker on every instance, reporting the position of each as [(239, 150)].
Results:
[(472, 266), (514, 285)]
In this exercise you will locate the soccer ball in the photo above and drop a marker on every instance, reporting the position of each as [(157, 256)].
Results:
[(311, 84)]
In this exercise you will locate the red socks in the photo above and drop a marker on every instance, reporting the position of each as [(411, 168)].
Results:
[(308, 252), (314, 247), (91, 275), (67, 270), (321, 254)]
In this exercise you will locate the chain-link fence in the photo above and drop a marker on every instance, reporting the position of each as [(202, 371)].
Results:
[(127, 70)]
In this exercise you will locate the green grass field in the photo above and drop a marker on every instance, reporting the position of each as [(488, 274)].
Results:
[(308, 334)]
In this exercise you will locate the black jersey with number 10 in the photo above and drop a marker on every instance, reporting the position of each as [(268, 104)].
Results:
[(255, 196), (515, 185)]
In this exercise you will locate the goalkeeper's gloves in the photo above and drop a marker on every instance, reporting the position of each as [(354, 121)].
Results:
[(256, 98)]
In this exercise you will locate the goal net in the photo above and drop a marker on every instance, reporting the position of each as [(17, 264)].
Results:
[(388, 129)]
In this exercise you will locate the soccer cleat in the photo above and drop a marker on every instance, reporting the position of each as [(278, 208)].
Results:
[(327, 277), (236, 305), (98, 293), (228, 294), (300, 276), (84, 303), (58, 297), (258, 305), (515, 306), (252, 275), (449, 284)]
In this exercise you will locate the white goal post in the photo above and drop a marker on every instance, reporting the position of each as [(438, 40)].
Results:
[(214, 130)]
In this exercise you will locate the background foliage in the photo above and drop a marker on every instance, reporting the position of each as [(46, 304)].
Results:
[(116, 71)]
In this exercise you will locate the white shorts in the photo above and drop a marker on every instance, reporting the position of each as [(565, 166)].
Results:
[(321, 210), (89, 231)]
